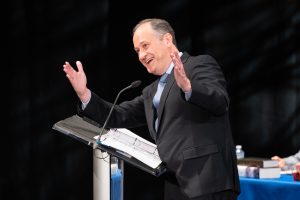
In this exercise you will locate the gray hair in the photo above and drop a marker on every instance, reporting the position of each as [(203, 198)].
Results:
[(160, 26)]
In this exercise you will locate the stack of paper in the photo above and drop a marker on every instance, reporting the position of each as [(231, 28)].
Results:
[(133, 145)]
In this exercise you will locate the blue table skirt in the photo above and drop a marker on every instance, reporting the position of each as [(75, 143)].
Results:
[(283, 188)]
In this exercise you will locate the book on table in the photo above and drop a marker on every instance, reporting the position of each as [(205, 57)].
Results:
[(258, 172), (258, 162)]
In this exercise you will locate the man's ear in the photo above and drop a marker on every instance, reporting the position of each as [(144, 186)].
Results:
[(168, 39)]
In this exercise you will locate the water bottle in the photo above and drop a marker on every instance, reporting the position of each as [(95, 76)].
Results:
[(239, 152), (113, 165)]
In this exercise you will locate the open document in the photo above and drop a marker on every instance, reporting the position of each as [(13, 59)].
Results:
[(130, 143)]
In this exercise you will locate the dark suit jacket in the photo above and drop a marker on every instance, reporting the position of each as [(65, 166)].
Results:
[(194, 138)]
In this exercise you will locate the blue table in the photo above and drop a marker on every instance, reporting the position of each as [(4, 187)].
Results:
[(283, 188)]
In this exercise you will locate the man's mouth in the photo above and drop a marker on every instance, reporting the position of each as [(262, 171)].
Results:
[(148, 61)]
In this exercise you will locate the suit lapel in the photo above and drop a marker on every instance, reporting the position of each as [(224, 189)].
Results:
[(151, 111), (164, 96), (166, 91)]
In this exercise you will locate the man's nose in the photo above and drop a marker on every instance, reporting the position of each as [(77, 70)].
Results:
[(142, 55)]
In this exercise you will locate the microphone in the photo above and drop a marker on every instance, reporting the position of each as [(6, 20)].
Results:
[(132, 85)]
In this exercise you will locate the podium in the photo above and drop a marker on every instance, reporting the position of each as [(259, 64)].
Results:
[(108, 162)]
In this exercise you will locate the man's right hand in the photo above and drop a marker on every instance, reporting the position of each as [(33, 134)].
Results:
[(78, 80), (281, 162)]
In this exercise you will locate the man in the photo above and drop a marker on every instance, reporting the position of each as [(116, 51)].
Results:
[(186, 111)]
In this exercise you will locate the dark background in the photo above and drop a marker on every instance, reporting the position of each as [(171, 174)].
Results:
[(255, 42)]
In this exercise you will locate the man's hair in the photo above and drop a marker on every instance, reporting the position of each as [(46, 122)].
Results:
[(160, 26)]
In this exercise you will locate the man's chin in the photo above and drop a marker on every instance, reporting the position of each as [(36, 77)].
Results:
[(150, 70)]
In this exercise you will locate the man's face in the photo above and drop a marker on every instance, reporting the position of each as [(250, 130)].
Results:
[(153, 49)]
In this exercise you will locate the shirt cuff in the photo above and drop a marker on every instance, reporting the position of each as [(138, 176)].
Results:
[(188, 95), (84, 104)]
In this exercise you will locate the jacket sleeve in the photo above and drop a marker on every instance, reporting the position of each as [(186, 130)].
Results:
[(127, 114), (292, 160), (208, 85)]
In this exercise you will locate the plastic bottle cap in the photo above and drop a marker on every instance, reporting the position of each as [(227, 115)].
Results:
[(238, 146)]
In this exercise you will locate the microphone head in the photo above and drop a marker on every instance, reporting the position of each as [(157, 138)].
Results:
[(136, 84)]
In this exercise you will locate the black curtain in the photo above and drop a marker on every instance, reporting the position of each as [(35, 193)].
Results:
[(255, 42)]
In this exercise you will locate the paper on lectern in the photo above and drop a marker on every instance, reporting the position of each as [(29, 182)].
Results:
[(126, 141)]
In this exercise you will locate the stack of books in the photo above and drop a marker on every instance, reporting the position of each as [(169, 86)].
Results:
[(256, 167)]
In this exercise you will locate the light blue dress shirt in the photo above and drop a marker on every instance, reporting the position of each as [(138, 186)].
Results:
[(160, 87)]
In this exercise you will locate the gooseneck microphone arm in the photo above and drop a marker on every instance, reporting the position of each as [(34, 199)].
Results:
[(132, 85)]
